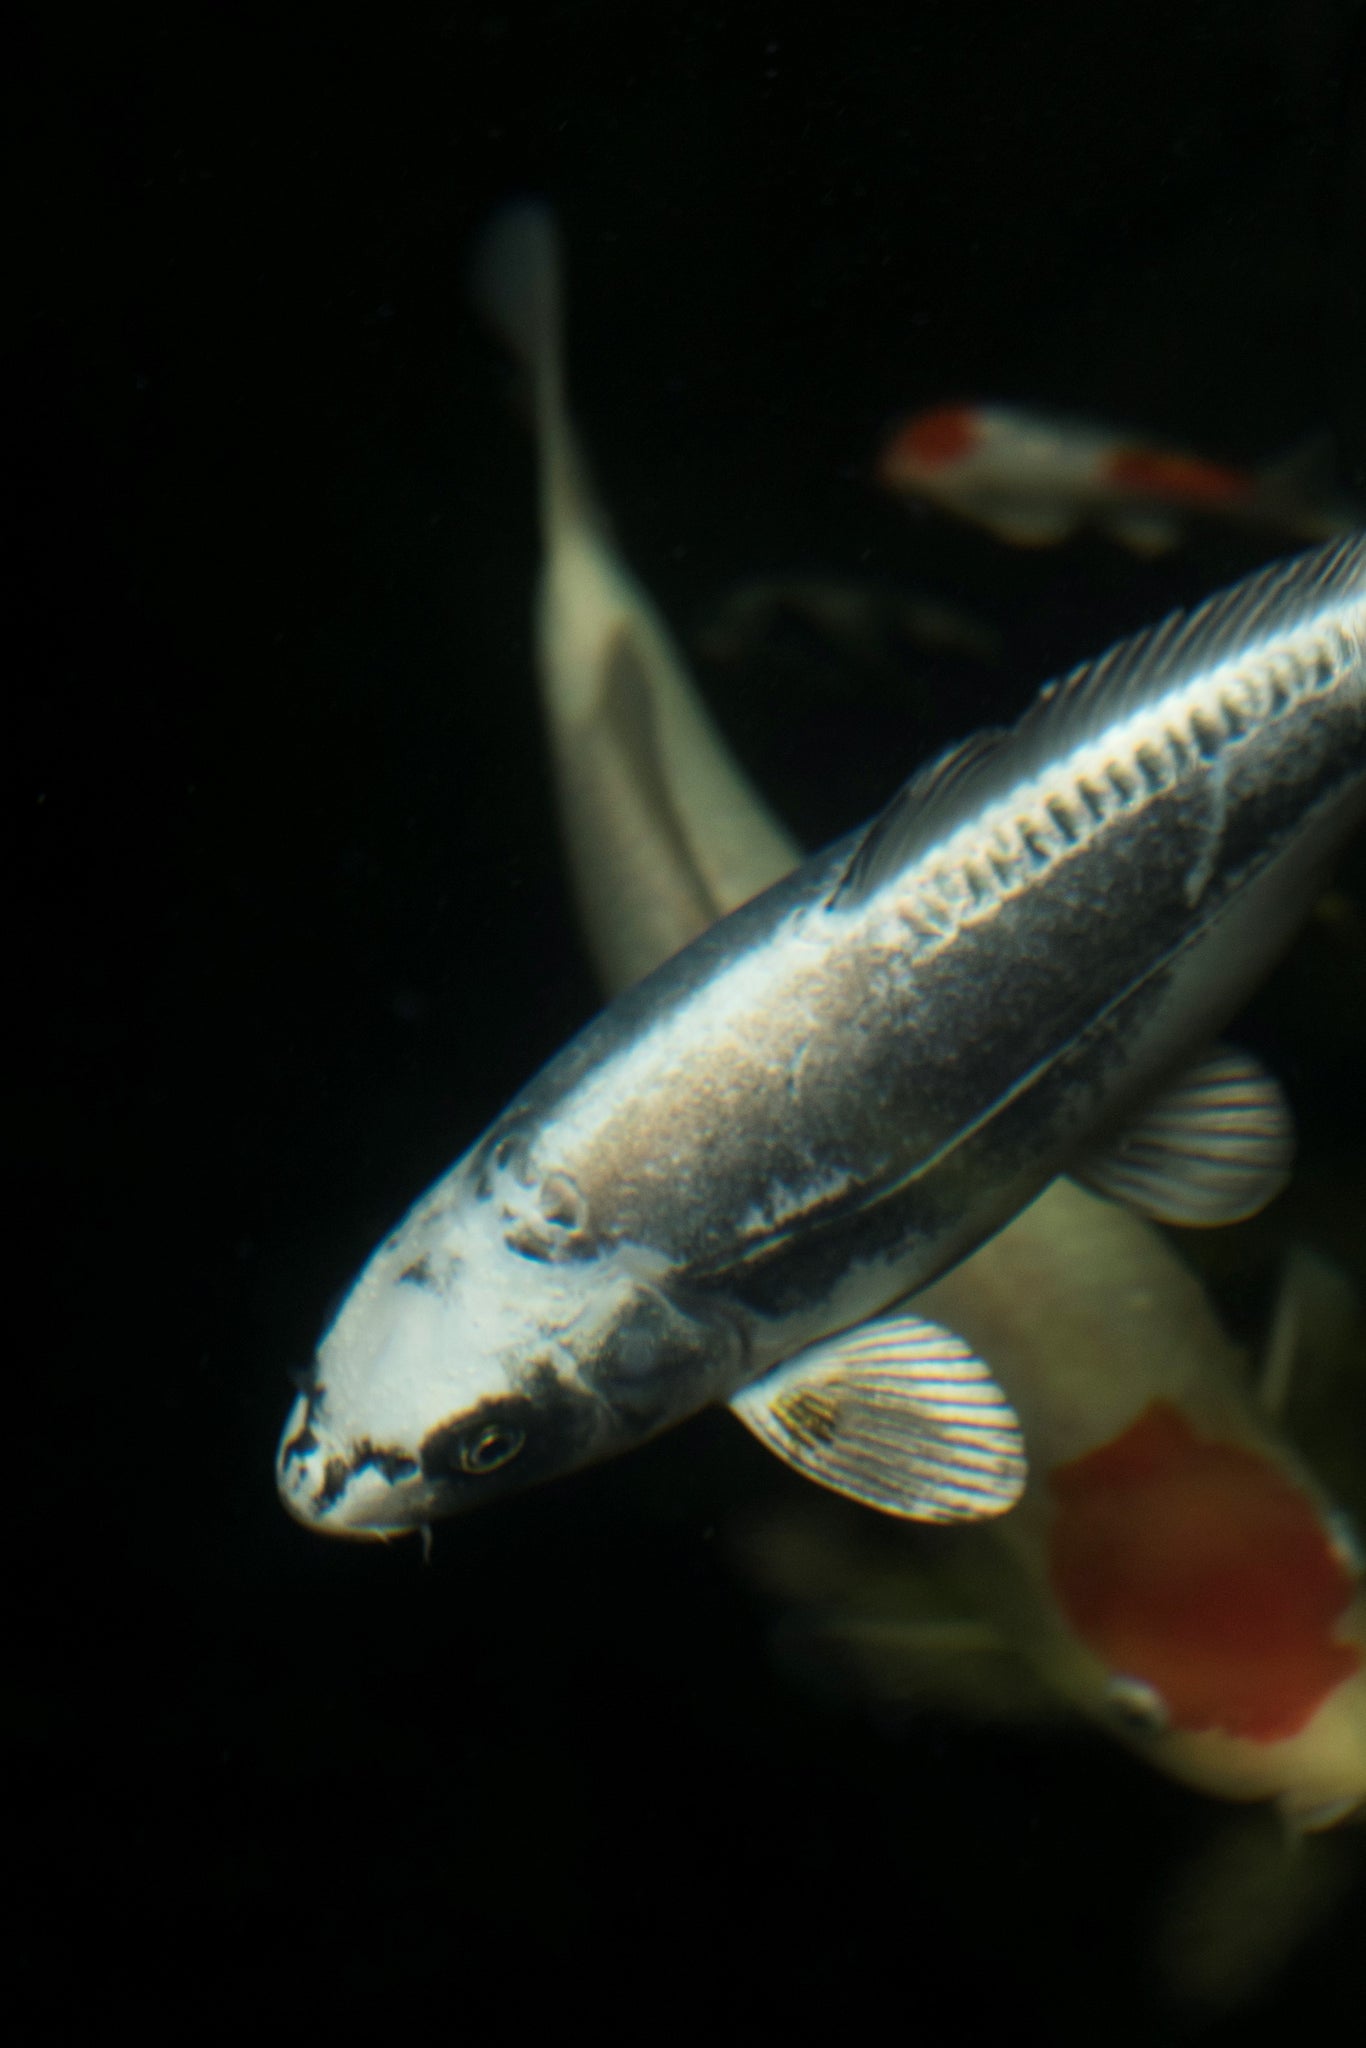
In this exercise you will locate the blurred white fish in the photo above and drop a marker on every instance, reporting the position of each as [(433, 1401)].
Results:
[(1033, 479)]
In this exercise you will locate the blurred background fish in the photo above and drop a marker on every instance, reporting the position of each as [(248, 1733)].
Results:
[(1174, 1571), (873, 623), (1033, 479), (671, 829)]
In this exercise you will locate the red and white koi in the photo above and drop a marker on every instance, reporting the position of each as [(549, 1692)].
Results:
[(1173, 1569), (1034, 479)]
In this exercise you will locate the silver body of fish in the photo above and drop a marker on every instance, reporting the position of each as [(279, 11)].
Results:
[(835, 1093)]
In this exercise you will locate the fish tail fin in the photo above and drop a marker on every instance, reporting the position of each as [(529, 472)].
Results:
[(516, 284), (515, 281)]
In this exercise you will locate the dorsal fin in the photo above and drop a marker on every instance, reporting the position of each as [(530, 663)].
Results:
[(1275, 604), (1068, 713), (931, 802)]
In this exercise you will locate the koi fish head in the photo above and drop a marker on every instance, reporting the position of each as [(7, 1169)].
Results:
[(491, 1342), (1024, 476), (949, 447), (932, 448), (1223, 1611)]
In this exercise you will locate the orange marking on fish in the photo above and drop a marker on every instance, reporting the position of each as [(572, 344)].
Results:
[(1204, 1569), (1186, 479), (934, 439)]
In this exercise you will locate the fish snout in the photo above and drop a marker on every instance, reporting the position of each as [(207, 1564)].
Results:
[(354, 1490), (300, 1465)]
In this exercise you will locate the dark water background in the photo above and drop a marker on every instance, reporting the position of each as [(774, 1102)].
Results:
[(290, 927)]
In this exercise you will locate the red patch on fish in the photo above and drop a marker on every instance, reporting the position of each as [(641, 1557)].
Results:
[(1204, 1569), (933, 440), (1177, 479)]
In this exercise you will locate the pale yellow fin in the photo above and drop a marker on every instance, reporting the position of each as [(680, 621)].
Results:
[(898, 1414)]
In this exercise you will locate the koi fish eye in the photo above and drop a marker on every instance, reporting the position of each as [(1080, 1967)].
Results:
[(1139, 1706), (480, 1442), (488, 1448)]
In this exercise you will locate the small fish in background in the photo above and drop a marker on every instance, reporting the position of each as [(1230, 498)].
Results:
[(1035, 479), (883, 629)]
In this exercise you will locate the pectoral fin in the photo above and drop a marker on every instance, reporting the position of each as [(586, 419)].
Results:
[(1214, 1147), (897, 1414)]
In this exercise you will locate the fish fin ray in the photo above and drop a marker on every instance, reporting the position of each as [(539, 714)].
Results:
[(1225, 628), (898, 1414), (1214, 1147)]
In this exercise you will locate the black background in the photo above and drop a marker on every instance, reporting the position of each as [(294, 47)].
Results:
[(289, 927)]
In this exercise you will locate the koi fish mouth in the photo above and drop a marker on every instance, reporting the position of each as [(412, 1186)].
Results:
[(368, 1492)]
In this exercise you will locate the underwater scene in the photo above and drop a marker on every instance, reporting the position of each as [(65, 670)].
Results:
[(687, 762)]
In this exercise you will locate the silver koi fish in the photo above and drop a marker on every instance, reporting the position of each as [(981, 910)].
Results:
[(833, 1095)]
